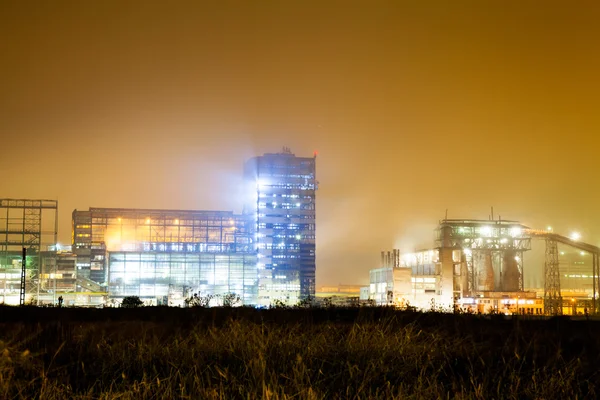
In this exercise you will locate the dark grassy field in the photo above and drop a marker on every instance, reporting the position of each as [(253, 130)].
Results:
[(169, 353)]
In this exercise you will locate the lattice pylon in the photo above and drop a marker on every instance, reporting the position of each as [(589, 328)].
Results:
[(552, 295)]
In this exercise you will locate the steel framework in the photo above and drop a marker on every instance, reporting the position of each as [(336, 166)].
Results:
[(552, 296), (551, 271), (25, 224), (595, 280), (490, 241), (470, 272)]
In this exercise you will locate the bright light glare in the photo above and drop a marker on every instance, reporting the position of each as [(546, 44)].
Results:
[(298, 237), (516, 231), (582, 253), (486, 231), (549, 229), (467, 252), (575, 236), (517, 258)]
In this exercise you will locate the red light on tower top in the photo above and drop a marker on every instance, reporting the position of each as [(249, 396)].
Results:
[(315, 153)]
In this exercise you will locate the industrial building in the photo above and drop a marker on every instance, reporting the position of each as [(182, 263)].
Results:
[(340, 295), (265, 254), (31, 225), (282, 209), (58, 273), (575, 273), (477, 265), (164, 256)]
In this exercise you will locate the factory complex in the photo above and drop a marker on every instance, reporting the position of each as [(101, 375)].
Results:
[(264, 254), (477, 266)]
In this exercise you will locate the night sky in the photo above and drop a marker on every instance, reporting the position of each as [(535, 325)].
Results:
[(414, 107)]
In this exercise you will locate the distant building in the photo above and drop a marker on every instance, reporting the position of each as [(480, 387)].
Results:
[(389, 286), (364, 295), (476, 264), (265, 254), (504, 303), (340, 295), (339, 290), (58, 272), (576, 271), (282, 208), (164, 256)]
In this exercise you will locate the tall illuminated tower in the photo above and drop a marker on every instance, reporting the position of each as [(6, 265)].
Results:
[(283, 207)]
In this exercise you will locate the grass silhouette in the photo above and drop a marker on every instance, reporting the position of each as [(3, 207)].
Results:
[(229, 353)]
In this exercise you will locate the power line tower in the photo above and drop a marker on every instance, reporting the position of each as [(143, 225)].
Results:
[(552, 296), (23, 267)]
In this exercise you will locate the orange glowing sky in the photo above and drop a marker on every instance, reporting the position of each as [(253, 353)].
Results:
[(414, 107)]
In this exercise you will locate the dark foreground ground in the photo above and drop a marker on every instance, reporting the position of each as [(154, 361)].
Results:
[(170, 353)]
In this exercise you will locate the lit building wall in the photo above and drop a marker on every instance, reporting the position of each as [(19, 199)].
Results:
[(282, 207), (425, 267), (58, 272), (340, 295), (344, 290), (364, 294), (508, 303), (446, 287), (170, 277), (99, 230), (390, 286), (576, 274), (10, 278)]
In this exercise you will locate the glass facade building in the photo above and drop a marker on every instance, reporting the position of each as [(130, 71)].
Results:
[(265, 254), (162, 255), (282, 208), (171, 277)]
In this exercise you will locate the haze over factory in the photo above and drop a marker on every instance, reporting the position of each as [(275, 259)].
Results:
[(264, 253)]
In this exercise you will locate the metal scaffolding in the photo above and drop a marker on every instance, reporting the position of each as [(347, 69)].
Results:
[(24, 224), (552, 289), (492, 252), (552, 296), (481, 263)]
